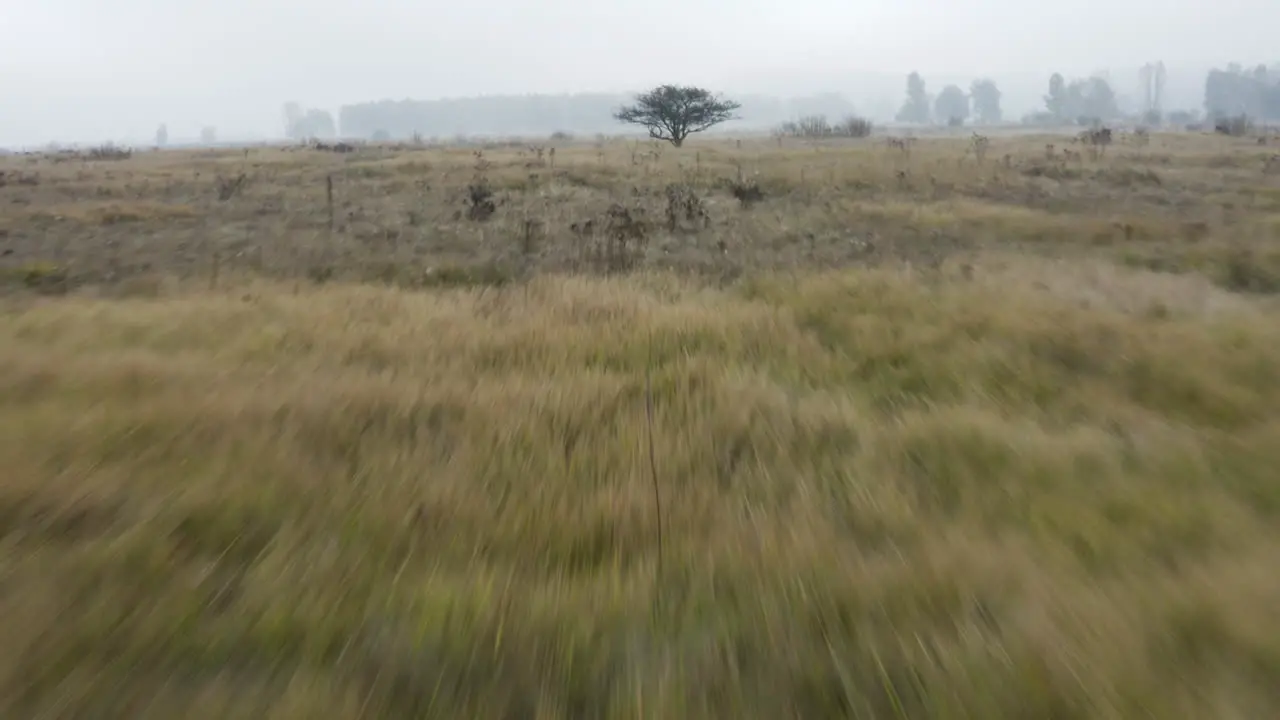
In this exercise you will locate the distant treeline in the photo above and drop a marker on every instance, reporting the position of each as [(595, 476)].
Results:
[(1235, 91), (583, 114)]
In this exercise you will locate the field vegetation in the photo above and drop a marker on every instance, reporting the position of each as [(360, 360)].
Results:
[(753, 428)]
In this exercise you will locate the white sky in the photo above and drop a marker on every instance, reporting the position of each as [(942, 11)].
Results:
[(96, 69)]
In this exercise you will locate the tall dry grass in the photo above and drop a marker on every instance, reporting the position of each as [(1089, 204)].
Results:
[(1022, 489), (1179, 203)]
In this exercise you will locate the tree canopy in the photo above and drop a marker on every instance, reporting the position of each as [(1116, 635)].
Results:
[(1253, 93), (986, 101), (301, 123), (952, 105), (1081, 101), (916, 109), (674, 112)]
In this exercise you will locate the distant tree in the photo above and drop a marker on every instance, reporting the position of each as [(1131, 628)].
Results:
[(582, 115), (319, 124), (1235, 92), (300, 124), (208, 135), (674, 112), (1056, 101), (1093, 98), (293, 115), (952, 106), (162, 135), (1160, 79), (1082, 101), (1152, 78), (986, 101), (916, 108)]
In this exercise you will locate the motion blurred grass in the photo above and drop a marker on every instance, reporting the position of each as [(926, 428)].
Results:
[(1026, 491)]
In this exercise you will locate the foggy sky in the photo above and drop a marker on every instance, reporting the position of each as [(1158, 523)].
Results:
[(92, 69)]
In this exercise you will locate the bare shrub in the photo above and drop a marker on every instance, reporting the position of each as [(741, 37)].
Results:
[(18, 177), (813, 126), (1237, 126), (747, 192), (817, 126), (853, 126), (338, 147), (1097, 139), (109, 151), (979, 145), (537, 155), (480, 201), (902, 145), (684, 205), (621, 246)]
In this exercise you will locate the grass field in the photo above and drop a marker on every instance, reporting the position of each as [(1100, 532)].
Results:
[(932, 438)]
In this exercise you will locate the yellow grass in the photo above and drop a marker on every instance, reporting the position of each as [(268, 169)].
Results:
[(993, 485)]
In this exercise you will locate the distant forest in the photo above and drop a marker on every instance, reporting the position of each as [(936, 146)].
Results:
[(1234, 90), (587, 113)]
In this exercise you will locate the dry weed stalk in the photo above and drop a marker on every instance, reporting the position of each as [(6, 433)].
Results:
[(230, 187), (653, 455), (980, 144), (902, 145)]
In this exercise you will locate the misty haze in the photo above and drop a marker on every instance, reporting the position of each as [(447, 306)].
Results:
[(80, 71), (639, 360)]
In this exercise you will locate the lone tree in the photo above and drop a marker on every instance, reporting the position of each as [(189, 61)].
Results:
[(986, 101), (1057, 103), (673, 112), (952, 106), (916, 108)]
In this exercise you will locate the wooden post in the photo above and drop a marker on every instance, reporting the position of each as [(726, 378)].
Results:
[(328, 181)]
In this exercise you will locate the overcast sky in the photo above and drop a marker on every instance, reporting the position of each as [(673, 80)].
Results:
[(99, 69)]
